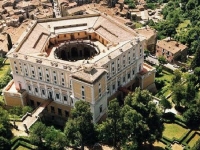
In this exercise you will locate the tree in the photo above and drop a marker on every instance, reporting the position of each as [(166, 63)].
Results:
[(4, 124), (79, 129), (142, 102), (4, 144), (196, 60), (197, 73), (9, 42), (190, 94), (192, 116), (162, 60), (110, 130), (37, 132), (178, 95), (177, 77), (54, 139), (165, 103), (197, 145)]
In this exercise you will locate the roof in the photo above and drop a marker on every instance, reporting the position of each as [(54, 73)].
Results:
[(147, 32), (76, 9), (171, 45), (31, 44), (91, 76)]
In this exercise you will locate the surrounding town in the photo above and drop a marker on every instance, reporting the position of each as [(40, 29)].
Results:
[(148, 99)]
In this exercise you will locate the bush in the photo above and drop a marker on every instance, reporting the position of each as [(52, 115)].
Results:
[(20, 111), (169, 116), (159, 83)]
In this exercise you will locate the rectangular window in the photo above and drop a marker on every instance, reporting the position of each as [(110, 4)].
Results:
[(47, 75), (124, 79), (118, 83), (66, 113), (118, 64), (129, 75), (101, 109), (36, 90), (124, 61), (25, 69), (33, 71), (133, 71), (52, 109), (57, 96), (29, 88), (99, 90), (59, 112), (83, 92), (43, 92), (40, 73), (65, 98), (113, 86)]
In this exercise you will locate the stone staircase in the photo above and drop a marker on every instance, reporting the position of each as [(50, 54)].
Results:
[(33, 117)]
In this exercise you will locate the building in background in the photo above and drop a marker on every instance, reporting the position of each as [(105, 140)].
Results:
[(89, 57), (171, 50)]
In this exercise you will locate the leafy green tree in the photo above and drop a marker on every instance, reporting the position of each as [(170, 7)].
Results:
[(54, 139), (166, 104), (26, 109), (197, 145), (141, 102), (177, 77), (178, 95), (197, 73), (4, 124), (196, 60), (159, 70), (162, 60), (9, 42), (110, 130), (37, 133), (1, 60), (4, 144), (190, 94), (80, 125), (192, 116)]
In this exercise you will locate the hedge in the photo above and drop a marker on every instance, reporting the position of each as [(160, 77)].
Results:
[(24, 141)]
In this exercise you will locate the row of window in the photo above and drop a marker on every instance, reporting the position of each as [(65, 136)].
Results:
[(83, 91), (42, 92), (120, 82), (119, 64), (52, 109), (43, 74)]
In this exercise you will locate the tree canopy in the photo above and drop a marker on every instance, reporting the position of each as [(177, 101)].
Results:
[(79, 129)]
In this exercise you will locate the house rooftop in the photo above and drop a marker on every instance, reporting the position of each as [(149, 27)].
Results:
[(171, 45)]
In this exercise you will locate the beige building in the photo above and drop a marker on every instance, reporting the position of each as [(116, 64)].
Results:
[(90, 57), (171, 50)]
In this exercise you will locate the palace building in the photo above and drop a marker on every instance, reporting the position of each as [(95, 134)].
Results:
[(90, 57)]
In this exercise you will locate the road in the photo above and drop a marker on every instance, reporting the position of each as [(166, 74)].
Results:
[(154, 61)]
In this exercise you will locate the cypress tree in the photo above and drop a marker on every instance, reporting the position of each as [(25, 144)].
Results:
[(9, 42)]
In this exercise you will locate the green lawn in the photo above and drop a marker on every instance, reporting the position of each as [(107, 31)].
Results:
[(22, 148), (194, 140), (3, 70), (166, 76), (159, 146), (174, 131), (183, 26)]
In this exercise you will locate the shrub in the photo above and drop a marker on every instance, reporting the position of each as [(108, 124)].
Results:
[(159, 83)]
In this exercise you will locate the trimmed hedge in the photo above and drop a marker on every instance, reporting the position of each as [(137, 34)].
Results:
[(23, 141)]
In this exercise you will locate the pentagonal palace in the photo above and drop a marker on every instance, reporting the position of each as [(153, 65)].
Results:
[(93, 58)]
